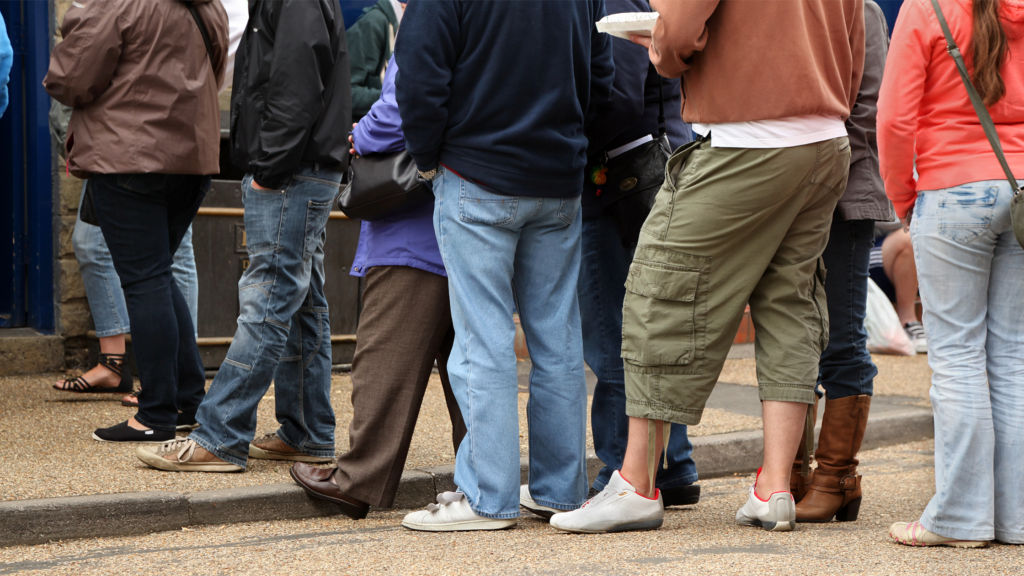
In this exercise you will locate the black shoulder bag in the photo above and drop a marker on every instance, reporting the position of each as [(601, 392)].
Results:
[(1017, 204), (383, 185), (87, 213), (633, 178)]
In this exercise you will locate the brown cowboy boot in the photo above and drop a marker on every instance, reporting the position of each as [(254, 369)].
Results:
[(798, 483), (835, 485)]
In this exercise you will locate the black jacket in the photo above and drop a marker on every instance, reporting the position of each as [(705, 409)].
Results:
[(291, 96)]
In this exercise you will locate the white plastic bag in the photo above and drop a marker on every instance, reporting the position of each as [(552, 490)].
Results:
[(885, 333)]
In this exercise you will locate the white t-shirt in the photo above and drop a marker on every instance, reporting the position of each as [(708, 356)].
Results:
[(399, 10), (783, 133), (238, 18)]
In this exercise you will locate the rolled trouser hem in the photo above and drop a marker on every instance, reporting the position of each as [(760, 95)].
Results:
[(506, 516), (1010, 537), (114, 332), (229, 457), (663, 412), (955, 532), (566, 507), (310, 450), (786, 392)]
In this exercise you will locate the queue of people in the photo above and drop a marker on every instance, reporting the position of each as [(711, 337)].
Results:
[(514, 113)]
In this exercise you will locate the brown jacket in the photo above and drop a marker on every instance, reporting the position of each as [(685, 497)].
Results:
[(142, 86), (746, 60)]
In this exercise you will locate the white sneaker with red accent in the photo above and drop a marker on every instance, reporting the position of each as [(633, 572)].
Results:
[(617, 508), (776, 514)]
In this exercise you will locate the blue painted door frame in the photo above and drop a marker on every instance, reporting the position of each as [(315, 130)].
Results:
[(28, 221)]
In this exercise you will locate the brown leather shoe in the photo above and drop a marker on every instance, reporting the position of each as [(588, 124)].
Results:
[(835, 485), (317, 483)]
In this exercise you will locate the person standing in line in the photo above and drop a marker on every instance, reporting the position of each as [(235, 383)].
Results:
[(494, 98), (743, 216), (290, 97), (630, 115), (846, 371), (145, 192), (970, 265), (404, 326), (371, 41)]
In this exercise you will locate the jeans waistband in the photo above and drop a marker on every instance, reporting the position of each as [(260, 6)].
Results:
[(319, 170)]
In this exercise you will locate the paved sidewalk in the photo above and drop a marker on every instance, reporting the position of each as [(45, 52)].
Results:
[(698, 540)]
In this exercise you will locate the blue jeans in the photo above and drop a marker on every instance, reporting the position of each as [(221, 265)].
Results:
[(488, 241), (284, 334), (971, 271), (601, 289), (143, 218), (846, 368), (103, 287)]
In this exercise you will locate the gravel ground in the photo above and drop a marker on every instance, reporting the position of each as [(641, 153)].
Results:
[(49, 450), (702, 539), (897, 375)]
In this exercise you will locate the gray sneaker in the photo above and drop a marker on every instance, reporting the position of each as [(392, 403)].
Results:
[(777, 514)]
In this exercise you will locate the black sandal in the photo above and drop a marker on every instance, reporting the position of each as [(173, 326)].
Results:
[(134, 394), (112, 362)]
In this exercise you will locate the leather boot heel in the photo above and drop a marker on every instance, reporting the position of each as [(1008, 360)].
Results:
[(849, 512)]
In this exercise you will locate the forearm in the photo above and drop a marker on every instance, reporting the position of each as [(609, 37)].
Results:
[(680, 31)]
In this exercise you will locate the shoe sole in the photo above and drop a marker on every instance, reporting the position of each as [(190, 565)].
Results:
[(469, 525), (628, 527), (164, 464), (97, 438), (953, 544), (261, 454)]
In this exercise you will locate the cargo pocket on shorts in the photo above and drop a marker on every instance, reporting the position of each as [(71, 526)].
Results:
[(820, 302), (660, 314)]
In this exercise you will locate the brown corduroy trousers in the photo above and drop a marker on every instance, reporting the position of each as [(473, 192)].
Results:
[(405, 325)]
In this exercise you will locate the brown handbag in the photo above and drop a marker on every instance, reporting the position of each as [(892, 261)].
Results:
[(1017, 203)]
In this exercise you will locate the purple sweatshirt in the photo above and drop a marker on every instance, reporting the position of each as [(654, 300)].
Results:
[(407, 239)]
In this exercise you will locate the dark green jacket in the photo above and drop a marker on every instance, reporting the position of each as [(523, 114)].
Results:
[(369, 49)]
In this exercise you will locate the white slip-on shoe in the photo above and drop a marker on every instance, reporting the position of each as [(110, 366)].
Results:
[(617, 508), (452, 513), (527, 502), (777, 514)]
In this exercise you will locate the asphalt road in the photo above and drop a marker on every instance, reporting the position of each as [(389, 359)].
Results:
[(696, 540)]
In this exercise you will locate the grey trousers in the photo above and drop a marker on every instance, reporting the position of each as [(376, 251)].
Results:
[(405, 325)]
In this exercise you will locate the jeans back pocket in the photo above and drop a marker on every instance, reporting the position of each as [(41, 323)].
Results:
[(479, 206), (965, 212)]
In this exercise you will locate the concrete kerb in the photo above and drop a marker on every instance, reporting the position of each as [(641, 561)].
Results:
[(24, 522)]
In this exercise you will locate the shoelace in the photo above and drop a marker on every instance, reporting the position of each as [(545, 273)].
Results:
[(265, 438), (444, 499), (184, 447)]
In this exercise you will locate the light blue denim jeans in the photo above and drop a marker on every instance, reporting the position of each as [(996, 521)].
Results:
[(284, 333), (971, 272), (488, 242), (103, 287)]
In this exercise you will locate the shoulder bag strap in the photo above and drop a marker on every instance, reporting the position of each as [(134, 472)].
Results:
[(661, 106), (979, 107), (202, 29)]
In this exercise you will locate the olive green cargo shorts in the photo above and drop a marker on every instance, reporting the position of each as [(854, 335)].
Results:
[(731, 226)]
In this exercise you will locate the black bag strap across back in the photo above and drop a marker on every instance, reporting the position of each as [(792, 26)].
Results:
[(979, 106), (202, 29)]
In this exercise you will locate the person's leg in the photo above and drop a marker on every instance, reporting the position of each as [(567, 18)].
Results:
[(184, 268), (454, 412), (601, 288), (404, 322), (1006, 382), (898, 262), (954, 248), (271, 291), (302, 384)]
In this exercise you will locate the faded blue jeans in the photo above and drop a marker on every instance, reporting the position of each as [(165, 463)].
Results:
[(601, 289), (971, 272), (103, 287), (284, 333), (488, 242)]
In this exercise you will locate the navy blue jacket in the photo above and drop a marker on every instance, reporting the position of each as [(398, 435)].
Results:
[(499, 91), (632, 110)]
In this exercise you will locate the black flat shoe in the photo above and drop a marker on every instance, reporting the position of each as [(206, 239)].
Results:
[(186, 423), (681, 495), (125, 434), (112, 362)]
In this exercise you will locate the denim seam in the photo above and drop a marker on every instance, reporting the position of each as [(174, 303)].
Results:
[(277, 323), (551, 504), (115, 332), (238, 364)]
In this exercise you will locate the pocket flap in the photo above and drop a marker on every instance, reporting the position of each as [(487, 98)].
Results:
[(663, 283)]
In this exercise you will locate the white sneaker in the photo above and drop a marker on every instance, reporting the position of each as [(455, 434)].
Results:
[(526, 501), (452, 513), (916, 333), (777, 514), (617, 508)]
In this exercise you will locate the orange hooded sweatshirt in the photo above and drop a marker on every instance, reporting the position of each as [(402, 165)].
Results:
[(923, 107)]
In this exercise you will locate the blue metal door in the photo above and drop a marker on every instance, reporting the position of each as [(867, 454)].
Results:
[(28, 223)]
